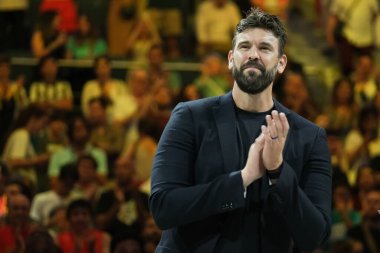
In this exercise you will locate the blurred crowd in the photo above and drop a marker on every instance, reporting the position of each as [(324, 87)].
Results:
[(74, 171)]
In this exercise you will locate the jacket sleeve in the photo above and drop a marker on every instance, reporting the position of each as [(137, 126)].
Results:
[(305, 204), (176, 198)]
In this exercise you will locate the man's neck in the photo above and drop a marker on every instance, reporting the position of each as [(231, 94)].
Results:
[(50, 79), (103, 79), (261, 102)]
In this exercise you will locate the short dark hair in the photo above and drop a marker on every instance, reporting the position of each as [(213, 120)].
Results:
[(79, 203), (88, 157), (71, 124), (99, 58), (68, 172), (256, 18)]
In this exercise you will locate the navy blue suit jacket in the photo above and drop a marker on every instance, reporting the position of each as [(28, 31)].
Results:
[(197, 190)]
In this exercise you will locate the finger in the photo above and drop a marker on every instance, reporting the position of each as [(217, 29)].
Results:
[(260, 140), (277, 123), (271, 126), (285, 124), (266, 133)]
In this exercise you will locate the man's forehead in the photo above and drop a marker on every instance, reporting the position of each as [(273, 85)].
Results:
[(257, 35)]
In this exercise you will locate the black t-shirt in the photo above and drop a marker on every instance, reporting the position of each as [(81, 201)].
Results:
[(127, 218), (249, 128)]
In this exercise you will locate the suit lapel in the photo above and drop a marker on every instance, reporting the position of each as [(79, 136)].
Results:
[(225, 119)]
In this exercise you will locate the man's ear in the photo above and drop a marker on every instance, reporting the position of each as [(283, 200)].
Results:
[(230, 60), (282, 64)]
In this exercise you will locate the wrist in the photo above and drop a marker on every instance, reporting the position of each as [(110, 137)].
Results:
[(245, 176), (274, 174), (274, 165)]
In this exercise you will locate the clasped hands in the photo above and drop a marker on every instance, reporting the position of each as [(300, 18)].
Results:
[(266, 152)]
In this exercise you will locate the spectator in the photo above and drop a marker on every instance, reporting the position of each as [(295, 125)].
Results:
[(365, 86), (19, 152), (9, 187), (212, 81), (81, 236), (16, 227), (357, 34), (341, 172), (368, 232), (161, 107), (158, 75), (297, 97), (141, 39), (187, 93), (67, 11), (344, 216), (123, 208), (342, 112), (363, 143), (139, 86), (59, 195), (15, 185), (51, 92), (78, 133), (12, 97), (365, 181), (166, 15), (140, 89), (46, 38), (40, 241), (113, 90), (121, 21), (104, 134), (151, 235), (141, 152), (128, 243), (57, 221), (215, 24), (56, 136), (86, 42), (88, 186)]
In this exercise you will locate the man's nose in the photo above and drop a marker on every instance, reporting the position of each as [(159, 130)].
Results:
[(253, 54)]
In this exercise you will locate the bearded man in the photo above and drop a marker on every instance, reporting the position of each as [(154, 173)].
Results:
[(240, 172)]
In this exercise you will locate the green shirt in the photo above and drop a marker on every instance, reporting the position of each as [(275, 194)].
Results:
[(87, 49), (67, 155)]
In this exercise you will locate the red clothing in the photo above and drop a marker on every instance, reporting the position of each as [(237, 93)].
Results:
[(68, 244), (3, 205), (8, 236), (67, 11)]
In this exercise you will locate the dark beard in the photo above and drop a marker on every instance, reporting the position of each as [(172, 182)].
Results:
[(251, 82)]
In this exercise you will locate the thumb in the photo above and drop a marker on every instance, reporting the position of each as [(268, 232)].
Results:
[(260, 140)]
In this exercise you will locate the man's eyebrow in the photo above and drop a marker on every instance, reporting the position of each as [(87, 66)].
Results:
[(266, 44), (243, 42)]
